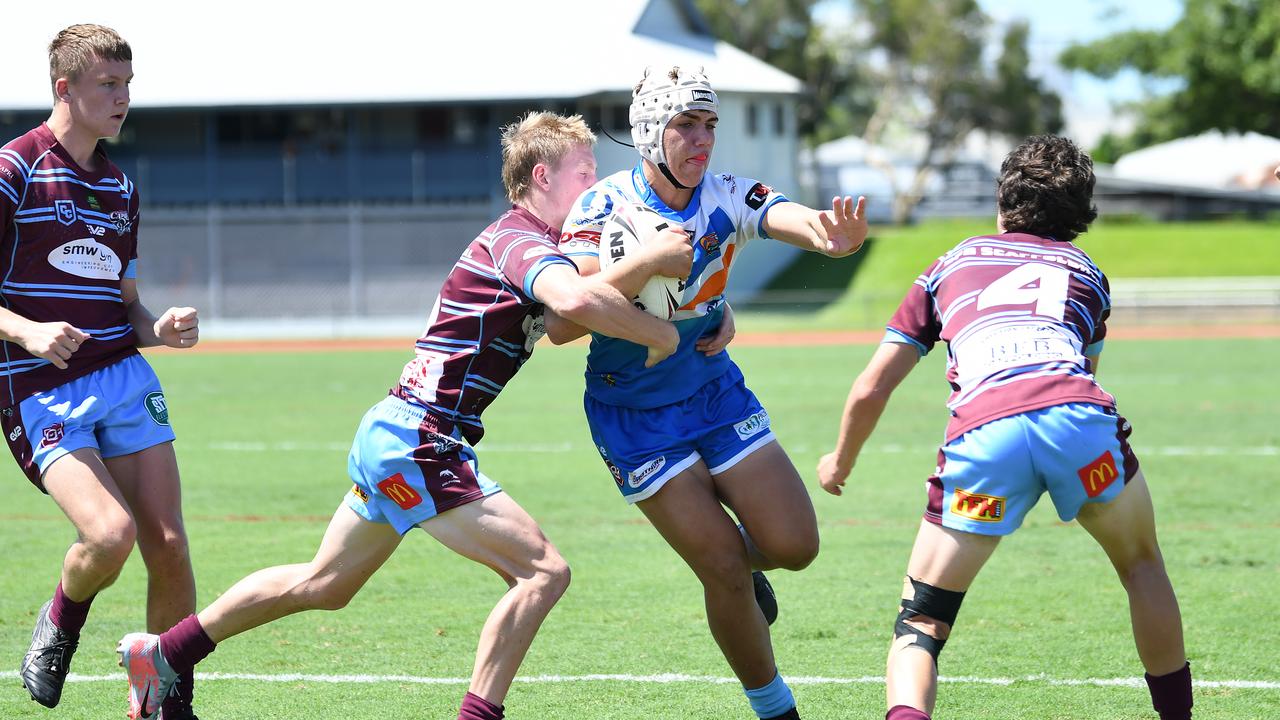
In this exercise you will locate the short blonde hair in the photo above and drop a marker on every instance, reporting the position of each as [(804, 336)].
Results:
[(75, 48), (538, 137)]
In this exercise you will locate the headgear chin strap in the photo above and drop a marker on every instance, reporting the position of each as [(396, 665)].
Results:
[(657, 99)]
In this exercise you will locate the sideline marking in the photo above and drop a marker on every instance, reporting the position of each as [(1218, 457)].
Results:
[(669, 678)]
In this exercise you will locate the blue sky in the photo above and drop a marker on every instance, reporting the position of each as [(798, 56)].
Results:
[(1090, 103)]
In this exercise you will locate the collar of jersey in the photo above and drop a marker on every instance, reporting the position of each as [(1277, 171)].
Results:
[(651, 198)]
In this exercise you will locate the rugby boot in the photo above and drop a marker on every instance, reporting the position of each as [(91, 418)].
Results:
[(765, 598), (150, 677), (45, 666)]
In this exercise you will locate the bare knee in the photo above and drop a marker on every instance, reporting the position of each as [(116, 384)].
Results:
[(324, 592), (725, 573), (106, 543), (546, 579), (796, 554), (167, 552), (1145, 571)]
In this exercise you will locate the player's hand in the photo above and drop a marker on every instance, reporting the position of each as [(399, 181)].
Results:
[(672, 253), (715, 344), (658, 353), (845, 225), (831, 475), (53, 341), (178, 327)]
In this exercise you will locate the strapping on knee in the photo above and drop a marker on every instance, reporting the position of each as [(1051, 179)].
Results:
[(931, 602)]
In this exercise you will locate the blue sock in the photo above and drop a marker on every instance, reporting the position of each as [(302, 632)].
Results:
[(771, 700)]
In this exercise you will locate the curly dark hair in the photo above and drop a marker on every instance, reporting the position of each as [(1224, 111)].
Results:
[(1046, 188)]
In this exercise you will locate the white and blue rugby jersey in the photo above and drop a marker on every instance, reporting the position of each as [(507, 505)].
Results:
[(723, 214)]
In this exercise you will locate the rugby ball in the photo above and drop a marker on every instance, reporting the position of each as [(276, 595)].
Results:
[(623, 234)]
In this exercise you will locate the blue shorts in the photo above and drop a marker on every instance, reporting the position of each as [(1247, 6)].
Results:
[(118, 410), (989, 478), (720, 424), (406, 473)]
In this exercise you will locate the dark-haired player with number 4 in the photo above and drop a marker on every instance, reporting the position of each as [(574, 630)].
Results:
[(1023, 313), (685, 439)]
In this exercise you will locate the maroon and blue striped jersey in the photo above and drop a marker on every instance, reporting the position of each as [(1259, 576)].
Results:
[(1019, 314), (69, 238), (483, 325)]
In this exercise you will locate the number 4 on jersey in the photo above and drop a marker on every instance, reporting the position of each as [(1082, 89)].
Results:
[(1044, 285)]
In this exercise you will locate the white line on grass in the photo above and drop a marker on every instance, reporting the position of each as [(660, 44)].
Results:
[(668, 678)]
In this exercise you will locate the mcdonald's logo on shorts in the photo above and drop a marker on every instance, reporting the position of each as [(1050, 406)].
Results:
[(399, 491), (976, 506), (1098, 475)]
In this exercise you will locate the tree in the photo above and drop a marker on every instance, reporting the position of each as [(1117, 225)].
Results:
[(934, 80), (783, 34), (1225, 55), (916, 65)]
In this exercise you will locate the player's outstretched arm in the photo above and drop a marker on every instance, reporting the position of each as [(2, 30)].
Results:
[(178, 327), (596, 306), (53, 341), (835, 233), (867, 399), (669, 253)]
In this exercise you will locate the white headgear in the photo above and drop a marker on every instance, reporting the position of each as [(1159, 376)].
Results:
[(660, 97)]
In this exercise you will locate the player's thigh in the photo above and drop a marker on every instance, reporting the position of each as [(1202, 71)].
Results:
[(1126, 526), (495, 531), (767, 494), (353, 548), (948, 558), (148, 480), (85, 491), (688, 514)]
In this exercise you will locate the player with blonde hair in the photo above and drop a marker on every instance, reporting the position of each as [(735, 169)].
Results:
[(412, 460)]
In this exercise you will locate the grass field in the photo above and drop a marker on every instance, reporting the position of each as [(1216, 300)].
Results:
[(262, 442)]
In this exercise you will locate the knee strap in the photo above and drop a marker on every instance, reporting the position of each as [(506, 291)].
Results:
[(932, 602)]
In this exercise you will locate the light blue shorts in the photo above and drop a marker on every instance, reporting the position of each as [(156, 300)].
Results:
[(721, 424), (989, 478), (119, 410), (406, 473)]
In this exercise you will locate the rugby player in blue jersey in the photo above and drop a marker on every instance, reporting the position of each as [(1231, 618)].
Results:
[(685, 440)]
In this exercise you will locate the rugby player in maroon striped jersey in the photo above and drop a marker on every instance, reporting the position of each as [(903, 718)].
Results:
[(83, 413), (1023, 313), (412, 461)]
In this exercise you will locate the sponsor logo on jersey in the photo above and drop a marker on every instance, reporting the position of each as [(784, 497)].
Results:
[(976, 506), (709, 242), (399, 491), (7, 172), (156, 407), (360, 493), (66, 211), (757, 195), (732, 182), (595, 206), (448, 477), (93, 202), (120, 220), (638, 477), (52, 435), (443, 444), (86, 258), (97, 230), (17, 433), (1098, 475), (753, 425)]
